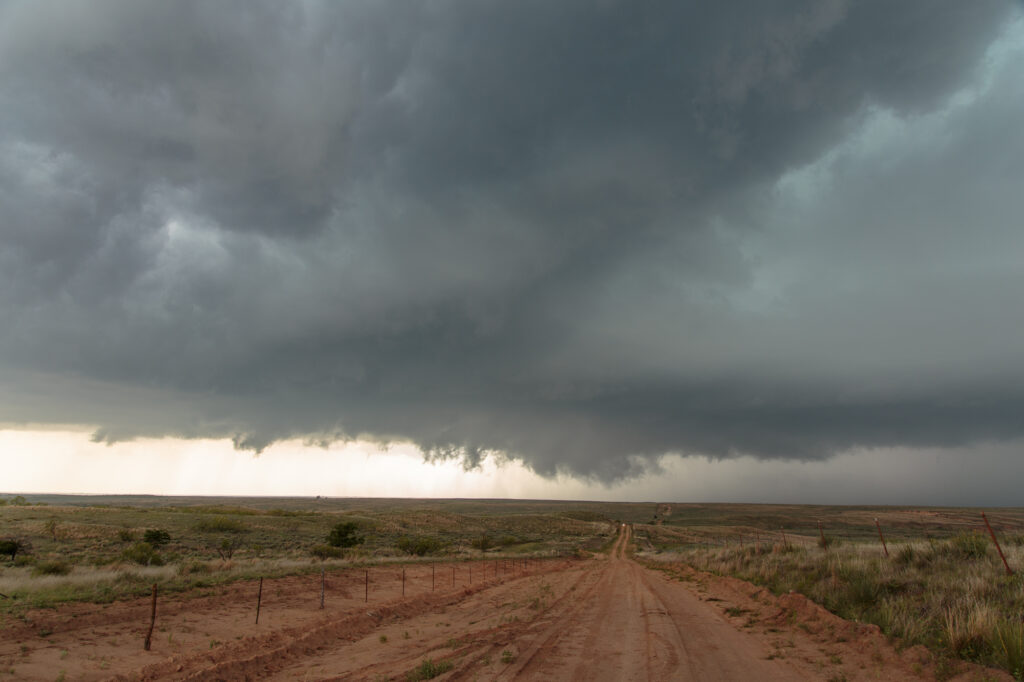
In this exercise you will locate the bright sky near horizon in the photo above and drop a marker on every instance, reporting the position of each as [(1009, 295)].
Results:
[(736, 251), (67, 461)]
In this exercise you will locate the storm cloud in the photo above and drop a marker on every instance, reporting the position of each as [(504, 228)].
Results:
[(581, 234)]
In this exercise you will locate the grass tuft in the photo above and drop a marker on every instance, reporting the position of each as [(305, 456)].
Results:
[(428, 670)]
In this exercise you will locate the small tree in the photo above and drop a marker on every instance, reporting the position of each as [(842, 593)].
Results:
[(11, 547), (53, 528), (156, 537), (143, 554), (483, 543), (344, 535), (420, 546), (227, 548)]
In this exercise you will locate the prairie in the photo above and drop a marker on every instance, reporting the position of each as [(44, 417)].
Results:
[(942, 584), (938, 582), (100, 549)]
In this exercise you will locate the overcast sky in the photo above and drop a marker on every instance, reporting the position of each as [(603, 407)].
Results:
[(580, 235)]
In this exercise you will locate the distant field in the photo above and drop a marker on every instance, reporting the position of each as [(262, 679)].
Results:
[(93, 547), (673, 525)]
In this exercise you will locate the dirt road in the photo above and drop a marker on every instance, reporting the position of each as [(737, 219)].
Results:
[(607, 618), (631, 625)]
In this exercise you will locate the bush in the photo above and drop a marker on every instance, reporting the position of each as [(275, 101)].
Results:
[(193, 567), (10, 547), (905, 555), (220, 524), (125, 535), (52, 568), (326, 552), (143, 553), (428, 670), (156, 537), (227, 548), (344, 535), (483, 543), (972, 545), (420, 546)]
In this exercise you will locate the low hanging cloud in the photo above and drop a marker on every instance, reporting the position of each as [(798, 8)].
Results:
[(579, 234)]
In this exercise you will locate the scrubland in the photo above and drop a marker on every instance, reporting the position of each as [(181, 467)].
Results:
[(942, 584), (99, 551)]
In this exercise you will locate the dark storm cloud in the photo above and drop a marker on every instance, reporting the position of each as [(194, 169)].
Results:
[(571, 232)]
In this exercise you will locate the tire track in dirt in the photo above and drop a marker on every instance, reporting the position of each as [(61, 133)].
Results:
[(479, 643), (199, 630), (550, 636), (630, 627)]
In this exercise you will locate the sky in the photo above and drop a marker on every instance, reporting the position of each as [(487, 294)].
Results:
[(750, 251)]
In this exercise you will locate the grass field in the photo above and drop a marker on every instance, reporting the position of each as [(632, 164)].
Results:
[(95, 549), (942, 585)]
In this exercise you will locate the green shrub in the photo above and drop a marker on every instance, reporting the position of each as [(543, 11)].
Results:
[(428, 670), (1009, 646), (10, 547), (52, 568), (905, 555), (972, 545), (326, 552), (419, 546), (143, 553), (156, 537), (220, 524), (125, 535), (344, 535), (193, 567), (227, 548)]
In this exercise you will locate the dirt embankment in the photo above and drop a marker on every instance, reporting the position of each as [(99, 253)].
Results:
[(605, 619)]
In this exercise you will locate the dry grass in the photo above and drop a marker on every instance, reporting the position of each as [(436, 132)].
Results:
[(952, 595), (96, 553)]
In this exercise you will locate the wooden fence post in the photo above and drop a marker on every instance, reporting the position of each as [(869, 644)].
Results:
[(366, 596), (431, 576), (999, 549), (824, 545), (882, 538), (152, 621), (403, 581), (259, 598), (323, 581)]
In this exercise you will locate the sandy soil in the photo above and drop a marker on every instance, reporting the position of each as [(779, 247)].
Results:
[(607, 618)]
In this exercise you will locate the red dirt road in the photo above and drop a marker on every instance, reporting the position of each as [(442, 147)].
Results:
[(609, 618), (632, 625)]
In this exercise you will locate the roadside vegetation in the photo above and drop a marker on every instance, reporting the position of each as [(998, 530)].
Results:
[(951, 595), (100, 552)]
